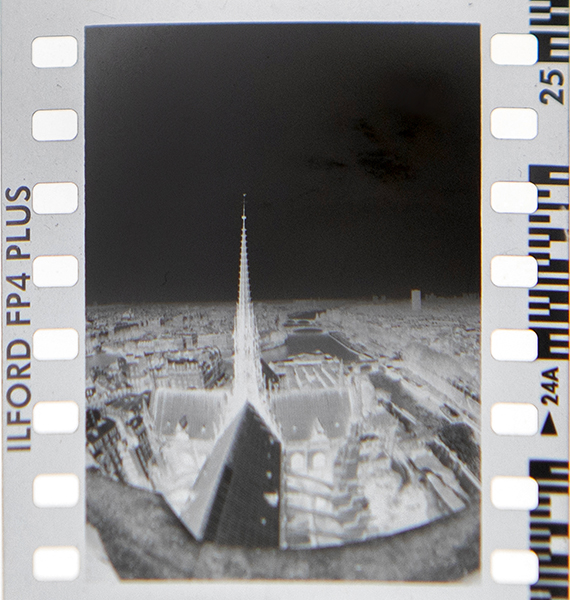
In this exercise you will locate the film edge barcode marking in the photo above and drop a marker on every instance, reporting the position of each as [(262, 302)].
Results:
[(552, 286), (552, 479), (550, 26)]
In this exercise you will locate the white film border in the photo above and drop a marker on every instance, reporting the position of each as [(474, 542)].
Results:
[(524, 342)]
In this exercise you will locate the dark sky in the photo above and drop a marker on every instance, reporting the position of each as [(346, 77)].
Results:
[(357, 146)]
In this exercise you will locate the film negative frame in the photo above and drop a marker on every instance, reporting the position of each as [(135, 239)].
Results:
[(537, 155)]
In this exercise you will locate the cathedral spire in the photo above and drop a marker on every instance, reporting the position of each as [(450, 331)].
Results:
[(248, 379), (247, 364)]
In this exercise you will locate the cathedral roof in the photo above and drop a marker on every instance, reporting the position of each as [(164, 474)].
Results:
[(229, 501), (203, 410), (296, 411)]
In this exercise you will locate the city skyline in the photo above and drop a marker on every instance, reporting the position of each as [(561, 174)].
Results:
[(322, 430)]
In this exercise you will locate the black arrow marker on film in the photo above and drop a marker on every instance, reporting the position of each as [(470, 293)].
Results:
[(548, 427)]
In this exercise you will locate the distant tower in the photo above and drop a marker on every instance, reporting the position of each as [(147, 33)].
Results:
[(416, 300)]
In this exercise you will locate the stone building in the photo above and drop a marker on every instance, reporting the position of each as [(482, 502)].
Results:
[(103, 442)]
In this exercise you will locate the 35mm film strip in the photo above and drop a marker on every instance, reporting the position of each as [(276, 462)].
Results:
[(286, 299)]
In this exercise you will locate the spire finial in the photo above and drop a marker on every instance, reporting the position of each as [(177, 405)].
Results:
[(243, 208)]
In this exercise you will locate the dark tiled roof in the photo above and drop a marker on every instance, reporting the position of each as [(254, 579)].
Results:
[(228, 503)]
